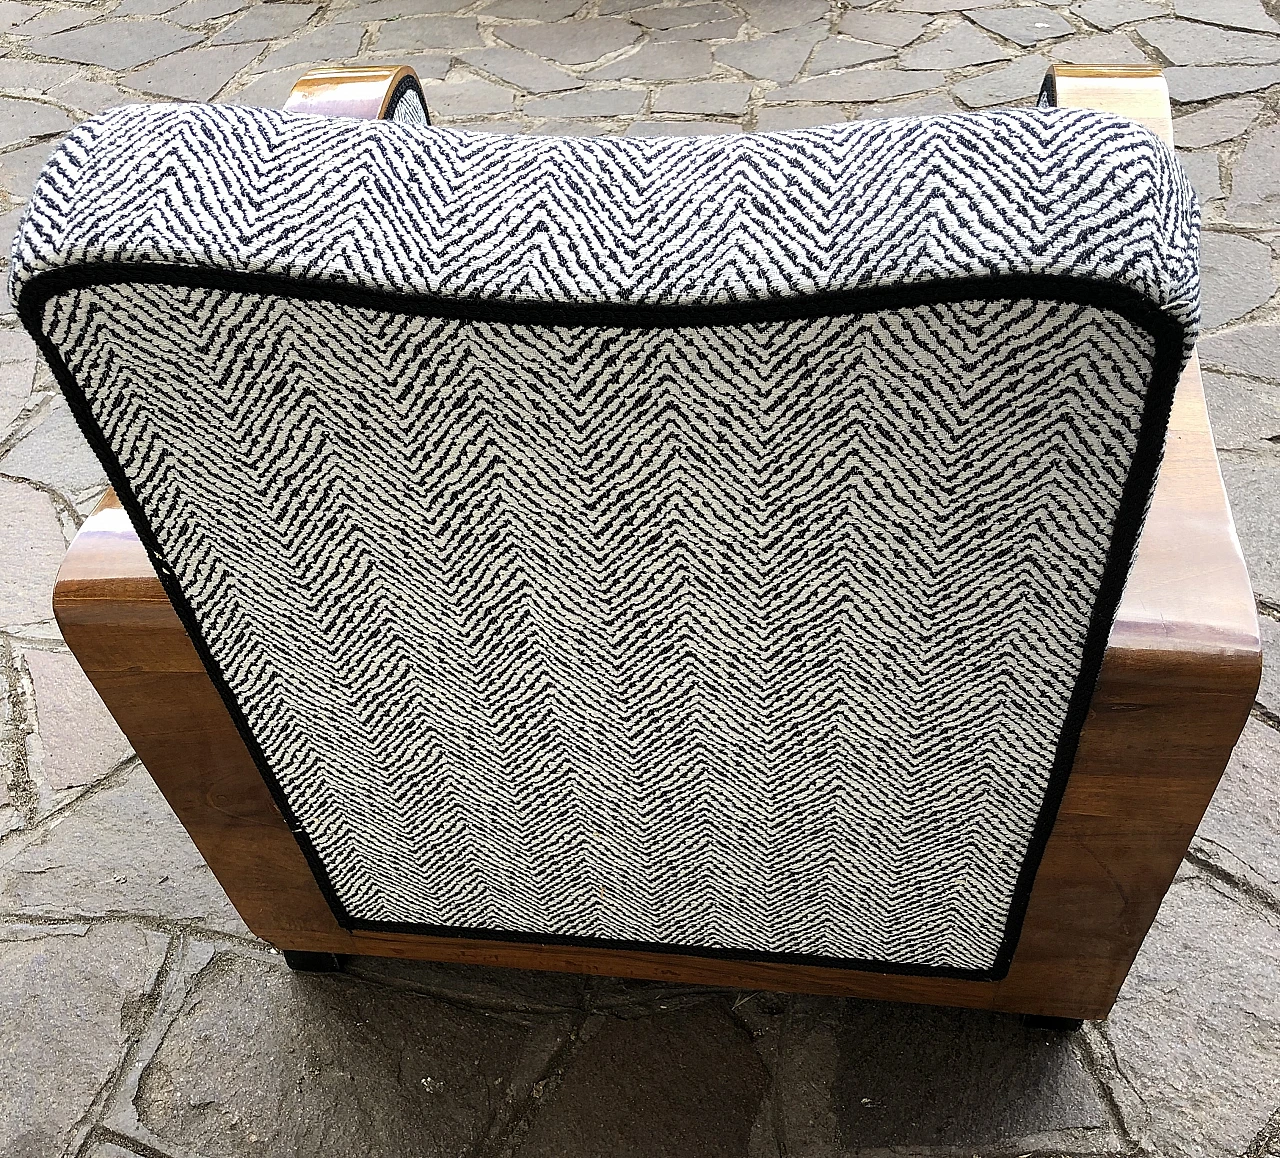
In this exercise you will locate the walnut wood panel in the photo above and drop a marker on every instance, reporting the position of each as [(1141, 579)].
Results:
[(362, 92), (1138, 92), (1180, 672)]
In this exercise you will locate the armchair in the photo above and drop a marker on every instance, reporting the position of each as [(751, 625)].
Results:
[(528, 559)]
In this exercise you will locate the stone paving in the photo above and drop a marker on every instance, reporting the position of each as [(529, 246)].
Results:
[(137, 1014)]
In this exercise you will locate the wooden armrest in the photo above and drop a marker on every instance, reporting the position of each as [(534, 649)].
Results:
[(366, 92), (1188, 590)]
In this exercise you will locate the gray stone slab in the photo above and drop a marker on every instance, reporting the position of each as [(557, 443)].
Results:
[(1268, 696), (1240, 834), (521, 69), (630, 1090), (415, 33), (779, 15), (989, 1080), (934, 6), (935, 104), (571, 41), (144, 7), (56, 454), (13, 15), (15, 389), (838, 52), (1253, 486), (1245, 14), (116, 43), (333, 44), (67, 1008), (198, 74), (1255, 189), (375, 10), (544, 10), (33, 546), (92, 96), (79, 740), (197, 12), (336, 1066), (1204, 82), (93, 864), (709, 98), (110, 1150), (681, 128), (778, 56), (468, 98), (1252, 350), (1025, 26), (782, 117), (869, 85), (588, 103), (509, 128), (266, 92), (21, 120), (1000, 86), (1109, 14), (266, 22), (15, 345), (33, 76), (1185, 43), (716, 30), (682, 15), (569, 128), (432, 66), (896, 28), (1206, 178), (1108, 48), (1197, 1022), (683, 60), (957, 47), (1235, 271), (1245, 415), (1218, 123), (55, 21)]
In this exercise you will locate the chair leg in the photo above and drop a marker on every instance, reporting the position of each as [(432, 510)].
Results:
[(303, 962), (1052, 1024)]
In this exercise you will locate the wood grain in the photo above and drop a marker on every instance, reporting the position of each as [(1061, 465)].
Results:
[(357, 91), (1181, 669)]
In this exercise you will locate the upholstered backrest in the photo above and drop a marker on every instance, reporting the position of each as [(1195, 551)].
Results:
[(698, 543)]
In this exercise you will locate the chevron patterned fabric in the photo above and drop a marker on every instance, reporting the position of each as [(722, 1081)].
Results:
[(700, 543)]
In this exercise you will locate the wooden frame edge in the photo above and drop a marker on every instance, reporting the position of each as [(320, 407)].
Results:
[(362, 91)]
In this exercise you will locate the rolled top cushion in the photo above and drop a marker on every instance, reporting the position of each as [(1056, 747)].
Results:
[(660, 221)]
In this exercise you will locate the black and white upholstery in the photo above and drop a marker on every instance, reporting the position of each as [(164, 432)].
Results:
[(701, 543)]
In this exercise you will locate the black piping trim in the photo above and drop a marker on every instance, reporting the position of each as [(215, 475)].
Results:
[(403, 85), (1167, 334)]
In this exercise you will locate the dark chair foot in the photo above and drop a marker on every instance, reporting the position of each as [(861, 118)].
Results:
[(1053, 1024), (302, 962)]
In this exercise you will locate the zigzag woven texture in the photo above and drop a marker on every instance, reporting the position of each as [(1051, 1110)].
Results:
[(751, 636), (660, 220)]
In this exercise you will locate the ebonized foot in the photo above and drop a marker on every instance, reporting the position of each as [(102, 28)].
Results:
[(301, 962), (1053, 1024)]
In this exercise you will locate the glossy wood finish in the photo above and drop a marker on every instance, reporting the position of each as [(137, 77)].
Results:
[(1176, 685), (362, 92), (1138, 92)]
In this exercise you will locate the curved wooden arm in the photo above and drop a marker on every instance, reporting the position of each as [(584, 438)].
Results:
[(367, 92), (1188, 589), (1138, 92)]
